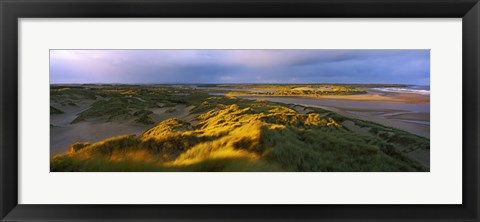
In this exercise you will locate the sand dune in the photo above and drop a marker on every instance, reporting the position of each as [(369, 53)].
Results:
[(410, 117), (62, 133)]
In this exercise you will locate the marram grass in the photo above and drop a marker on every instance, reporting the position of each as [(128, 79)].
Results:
[(235, 135)]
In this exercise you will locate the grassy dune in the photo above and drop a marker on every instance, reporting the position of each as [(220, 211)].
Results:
[(231, 134), (299, 90)]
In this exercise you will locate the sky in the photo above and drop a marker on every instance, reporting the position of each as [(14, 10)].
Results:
[(240, 66)]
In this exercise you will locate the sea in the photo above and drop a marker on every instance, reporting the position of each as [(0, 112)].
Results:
[(417, 89)]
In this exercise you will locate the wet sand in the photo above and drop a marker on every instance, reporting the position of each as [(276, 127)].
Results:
[(371, 96), (411, 117)]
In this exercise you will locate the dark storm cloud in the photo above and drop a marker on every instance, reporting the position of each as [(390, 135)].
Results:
[(240, 66)]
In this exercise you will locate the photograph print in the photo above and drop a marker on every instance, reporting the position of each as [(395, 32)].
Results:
[(281, 110)]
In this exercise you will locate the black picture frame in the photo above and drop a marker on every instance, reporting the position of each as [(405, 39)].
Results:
[(11, 11)]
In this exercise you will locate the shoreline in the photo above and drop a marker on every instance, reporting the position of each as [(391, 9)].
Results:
[(409, 98), (415, 121)]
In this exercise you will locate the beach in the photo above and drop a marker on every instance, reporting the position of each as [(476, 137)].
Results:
[(405, 111)]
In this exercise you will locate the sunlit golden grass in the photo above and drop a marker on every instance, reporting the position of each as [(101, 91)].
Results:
[(296, 89), (237, 135)]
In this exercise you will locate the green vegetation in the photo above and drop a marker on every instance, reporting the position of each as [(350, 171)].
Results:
[(143, 116), (123, 102), (231, 134), (291, 86), (66, 96), (297, 90), (314, 90)]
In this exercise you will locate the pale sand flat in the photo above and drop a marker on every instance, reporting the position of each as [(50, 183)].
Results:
[(369, 111), (63, 134)]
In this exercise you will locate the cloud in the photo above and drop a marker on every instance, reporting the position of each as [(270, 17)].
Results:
[(240, 66), (276, 58)]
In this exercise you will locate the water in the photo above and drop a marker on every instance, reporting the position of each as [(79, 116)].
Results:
[(422, 90)]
